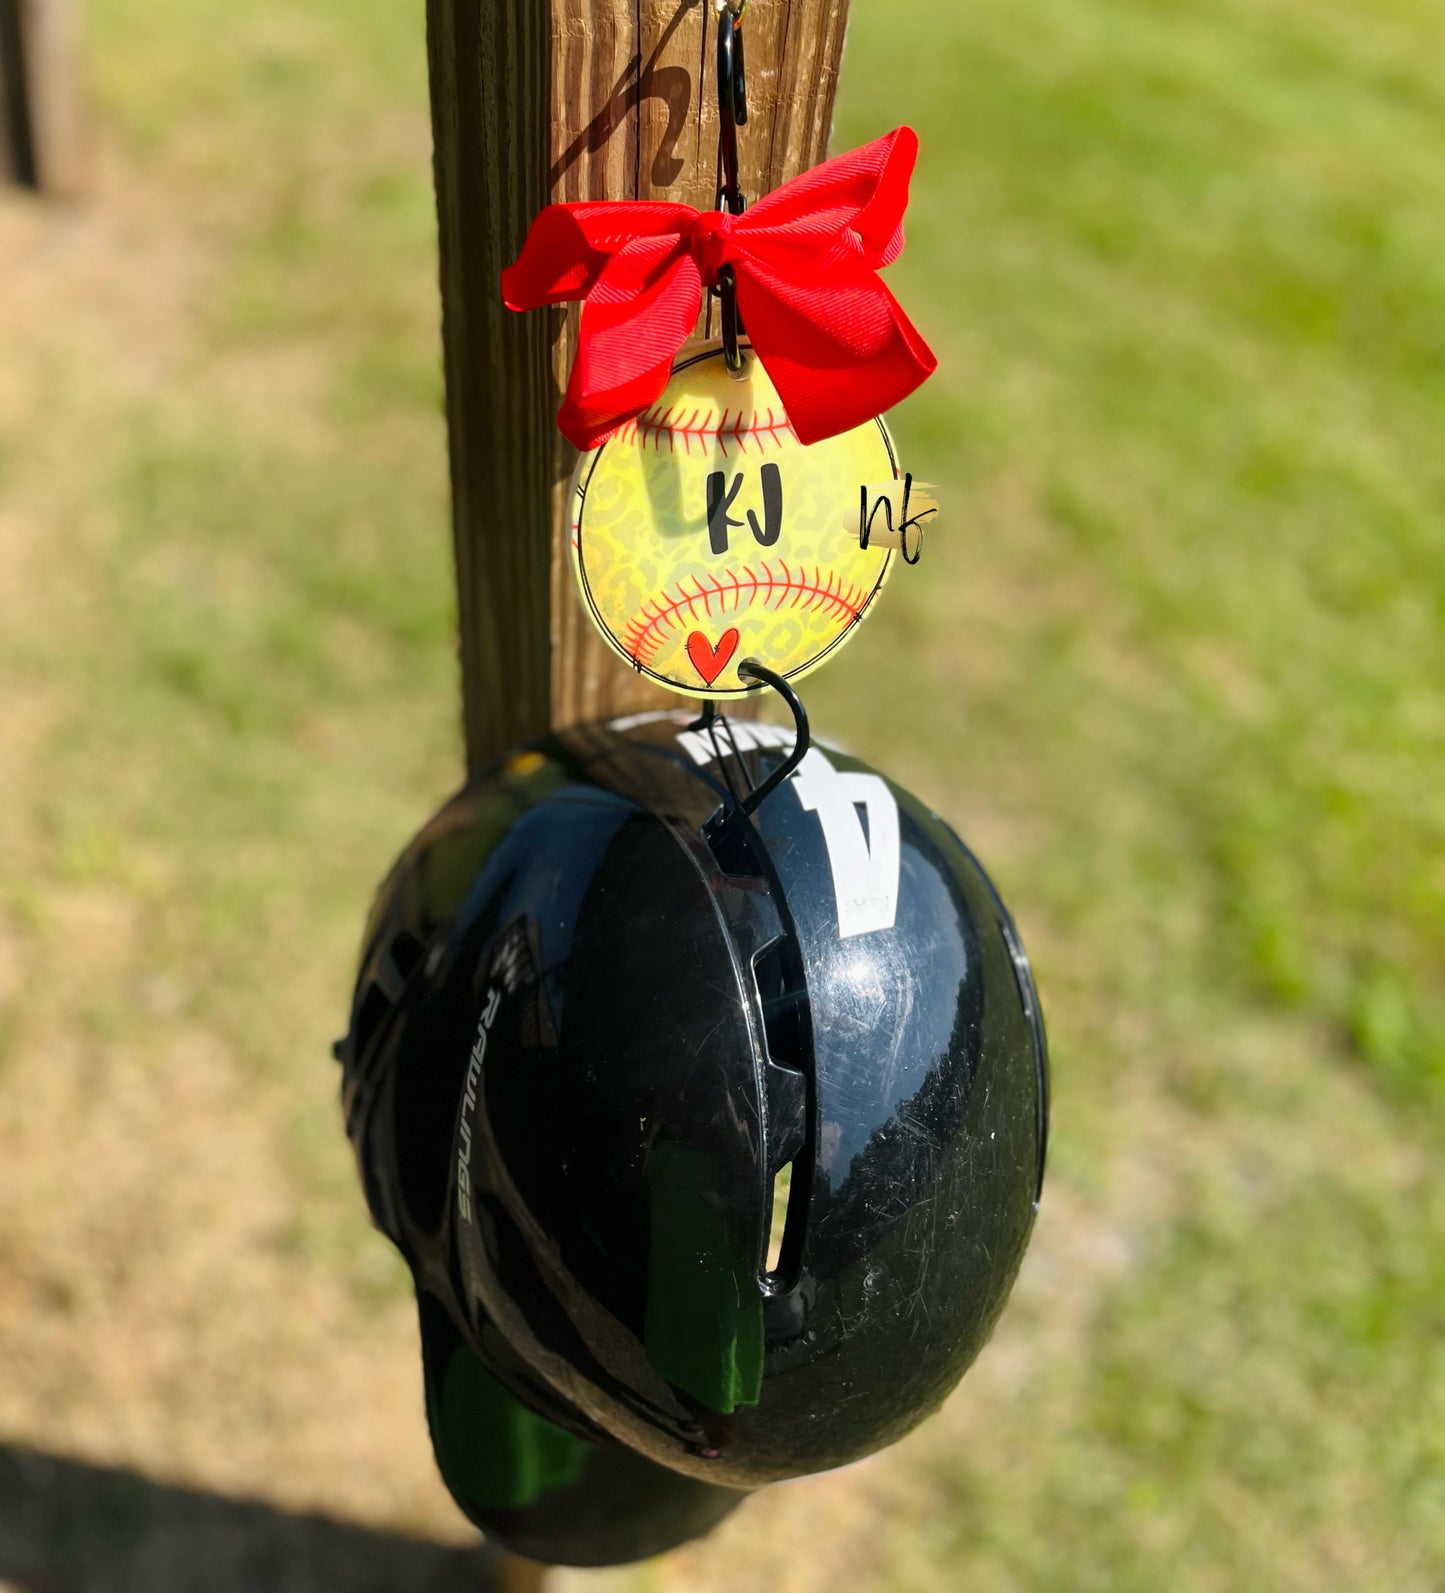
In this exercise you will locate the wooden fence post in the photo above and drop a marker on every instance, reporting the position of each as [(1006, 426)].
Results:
[(538, 100), (511, 1574), (38, 98)]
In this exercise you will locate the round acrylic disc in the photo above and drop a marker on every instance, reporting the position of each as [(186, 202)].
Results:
[(704, 532)]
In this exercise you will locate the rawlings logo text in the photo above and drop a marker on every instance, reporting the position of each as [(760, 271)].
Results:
[(469, 1104)]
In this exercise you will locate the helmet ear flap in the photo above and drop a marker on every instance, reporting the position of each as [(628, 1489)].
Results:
[(389, 977), (494, 1453)]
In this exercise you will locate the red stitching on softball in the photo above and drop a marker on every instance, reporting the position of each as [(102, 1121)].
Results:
[(708, 429), (645, 631)]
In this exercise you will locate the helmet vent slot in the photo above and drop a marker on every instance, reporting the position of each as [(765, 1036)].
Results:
[(789, 1108), (784, 1003), (782, 1187), (384, 992), (406, 954), (374, 1008)]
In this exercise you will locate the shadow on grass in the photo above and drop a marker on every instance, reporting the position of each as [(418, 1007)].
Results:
[(67, 1526)]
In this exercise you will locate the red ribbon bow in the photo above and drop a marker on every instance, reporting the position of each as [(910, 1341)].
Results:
[(833, 339)]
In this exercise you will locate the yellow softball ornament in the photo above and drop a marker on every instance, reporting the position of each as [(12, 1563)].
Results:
[(704, 532)]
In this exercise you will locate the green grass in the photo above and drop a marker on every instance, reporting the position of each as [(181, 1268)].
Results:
[(1174, 662), (1184, 268)]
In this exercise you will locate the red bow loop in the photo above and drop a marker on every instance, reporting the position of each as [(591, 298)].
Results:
[(833, 339)]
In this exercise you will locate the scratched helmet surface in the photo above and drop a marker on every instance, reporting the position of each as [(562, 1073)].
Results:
[(600, 1013)]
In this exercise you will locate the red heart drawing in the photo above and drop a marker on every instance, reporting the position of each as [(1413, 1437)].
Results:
[(710, 661)]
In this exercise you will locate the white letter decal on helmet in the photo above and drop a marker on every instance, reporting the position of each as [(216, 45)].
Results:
[(865, 864)]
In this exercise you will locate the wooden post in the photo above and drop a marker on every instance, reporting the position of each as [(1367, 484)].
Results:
[(538, 100), (515, 1575), (38, 117)]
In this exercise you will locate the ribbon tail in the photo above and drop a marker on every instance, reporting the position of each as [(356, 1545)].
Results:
[(839, 352), (632, 327), (556, 263)]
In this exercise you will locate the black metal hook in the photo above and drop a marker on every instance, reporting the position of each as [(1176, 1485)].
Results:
[(728, 830), (751, 669), (729, 321), (732, 105)]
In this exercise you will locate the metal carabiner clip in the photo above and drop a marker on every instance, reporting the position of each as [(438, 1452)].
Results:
[(732, 104)]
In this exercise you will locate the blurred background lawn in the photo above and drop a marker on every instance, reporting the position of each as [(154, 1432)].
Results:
[(1175, 665)]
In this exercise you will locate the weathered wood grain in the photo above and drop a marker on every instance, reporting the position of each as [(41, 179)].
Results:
[(535, 100)]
